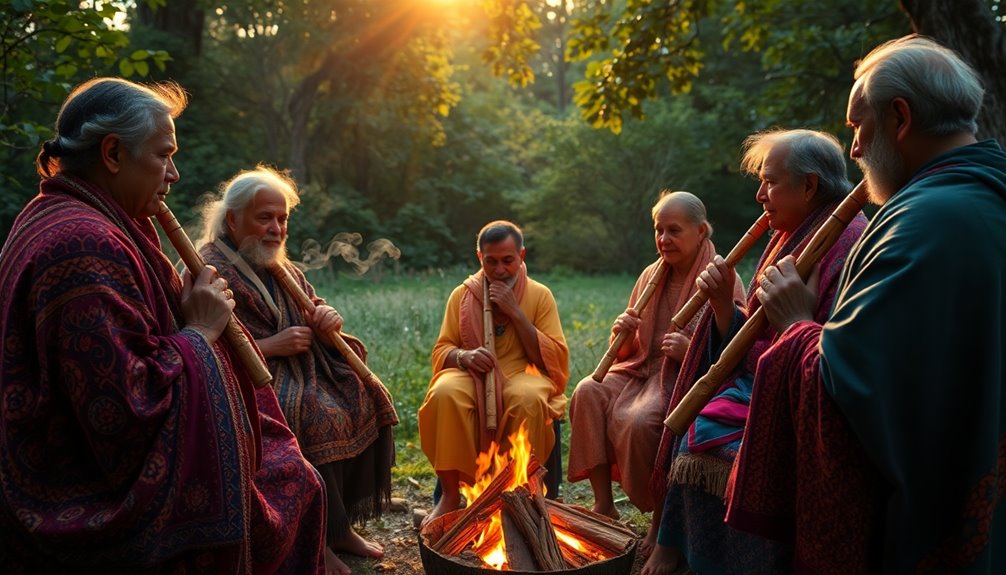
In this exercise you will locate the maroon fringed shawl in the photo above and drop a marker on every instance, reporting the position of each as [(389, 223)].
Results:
[(126, 442)]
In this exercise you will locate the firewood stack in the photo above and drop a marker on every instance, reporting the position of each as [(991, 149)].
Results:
[(529, 527)]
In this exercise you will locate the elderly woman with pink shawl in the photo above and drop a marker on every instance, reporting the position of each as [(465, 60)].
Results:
[(617, 422)]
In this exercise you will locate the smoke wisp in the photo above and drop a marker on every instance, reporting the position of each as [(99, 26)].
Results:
[(344, 245)]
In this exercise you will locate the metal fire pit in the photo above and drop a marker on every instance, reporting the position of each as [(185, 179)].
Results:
[(435, 563)]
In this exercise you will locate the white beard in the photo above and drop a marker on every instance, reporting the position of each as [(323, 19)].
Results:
[(883, 169), (260, 256)]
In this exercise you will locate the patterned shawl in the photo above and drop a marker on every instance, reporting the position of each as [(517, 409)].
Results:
[(124, 441), (634, 364), (906, 377), (726, 414), (799, 437), (333, 412)]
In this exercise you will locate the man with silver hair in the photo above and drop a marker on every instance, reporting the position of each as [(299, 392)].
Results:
[(129, 439), (877, 441), (342, 421), (802, 180)]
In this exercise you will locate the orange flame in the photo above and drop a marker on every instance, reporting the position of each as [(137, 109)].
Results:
[(489, 544), (572, 541)]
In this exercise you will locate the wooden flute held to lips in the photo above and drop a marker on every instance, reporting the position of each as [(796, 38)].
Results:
[(694, 303), (705, 388), (288, 283), (235, 335), (490, 343)]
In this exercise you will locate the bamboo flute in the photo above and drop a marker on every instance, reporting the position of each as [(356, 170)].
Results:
[(644, 298), (490, 343), (235, 335), (291, 286), (694, 304), (705, 388)]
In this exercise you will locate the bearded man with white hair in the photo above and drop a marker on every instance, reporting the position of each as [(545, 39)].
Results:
[(342, 421)]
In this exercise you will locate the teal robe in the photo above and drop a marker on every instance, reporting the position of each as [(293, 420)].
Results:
[(914, 356)]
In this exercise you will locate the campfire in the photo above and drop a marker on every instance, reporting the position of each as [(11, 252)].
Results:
[(508, 524)]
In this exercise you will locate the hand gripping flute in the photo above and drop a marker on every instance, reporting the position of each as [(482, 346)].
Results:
[(291, 286), (692, 306), (246, 352), (705, 388)]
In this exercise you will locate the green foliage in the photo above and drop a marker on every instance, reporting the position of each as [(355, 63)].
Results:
[(396, 129), (642, 42), (637, 49), (317, 71), (808, 50), (513, 23), (589, 207), (45, 49), (46, 46)]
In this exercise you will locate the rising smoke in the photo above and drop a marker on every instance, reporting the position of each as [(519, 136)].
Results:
[(344, 245)]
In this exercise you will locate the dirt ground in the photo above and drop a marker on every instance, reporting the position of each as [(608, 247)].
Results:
[(394, 530)]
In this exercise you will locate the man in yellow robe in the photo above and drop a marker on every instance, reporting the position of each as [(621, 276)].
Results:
[(531, 365)]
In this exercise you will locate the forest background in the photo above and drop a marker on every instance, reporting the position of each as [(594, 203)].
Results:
[(417, 121)]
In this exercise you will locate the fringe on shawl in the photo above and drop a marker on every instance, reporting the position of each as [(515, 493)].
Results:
[(705, 472)]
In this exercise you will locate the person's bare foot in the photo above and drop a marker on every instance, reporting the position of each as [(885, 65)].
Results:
[(648, 543), (664, 560), (445, 505), (334, 565), (609, 510), (357, 545)]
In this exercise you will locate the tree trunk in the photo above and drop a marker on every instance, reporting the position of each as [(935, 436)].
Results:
[(970, 28), (301, 103), (388, 38), (182, 18)]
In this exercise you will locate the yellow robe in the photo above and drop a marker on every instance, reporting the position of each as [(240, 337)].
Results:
[(448, 430)]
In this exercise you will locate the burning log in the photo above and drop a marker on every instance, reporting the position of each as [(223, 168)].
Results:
[(535, 529), (573, 556), (468, 525), (508, 525), (608, 534), (518, 553)]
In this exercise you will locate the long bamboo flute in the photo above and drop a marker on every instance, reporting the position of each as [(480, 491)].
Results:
[(644, 298), (705, 388), (694, 303), (234, 334), (291, 286), (490, 343)]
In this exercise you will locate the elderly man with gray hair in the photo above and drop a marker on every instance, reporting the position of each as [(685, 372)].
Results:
[(342, 421), (877, 442)]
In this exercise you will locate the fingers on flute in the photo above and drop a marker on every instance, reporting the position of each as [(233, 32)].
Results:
[(206, 276)]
